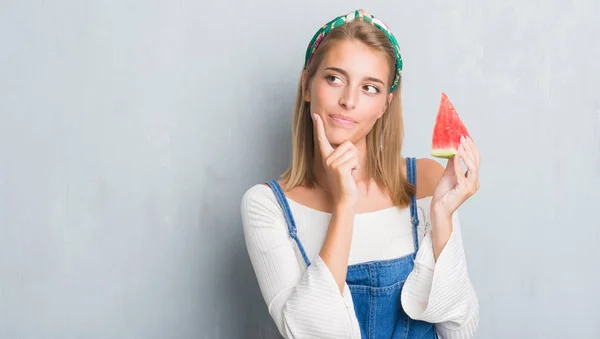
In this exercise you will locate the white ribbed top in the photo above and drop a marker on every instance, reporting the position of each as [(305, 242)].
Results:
[(306, 302)]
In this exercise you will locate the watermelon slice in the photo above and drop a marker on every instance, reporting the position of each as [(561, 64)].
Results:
[(447, 131)]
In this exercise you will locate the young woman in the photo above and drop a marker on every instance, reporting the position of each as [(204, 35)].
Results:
[(355, 241)]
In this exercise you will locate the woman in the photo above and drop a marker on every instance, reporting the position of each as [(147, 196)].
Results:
[(356, 241)]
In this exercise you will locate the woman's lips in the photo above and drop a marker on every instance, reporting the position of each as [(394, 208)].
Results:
[(342, 120)]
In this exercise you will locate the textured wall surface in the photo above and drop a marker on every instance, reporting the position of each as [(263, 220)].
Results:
[(129, 131)]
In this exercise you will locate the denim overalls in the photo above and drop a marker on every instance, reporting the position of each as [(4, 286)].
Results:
[(376, 285)]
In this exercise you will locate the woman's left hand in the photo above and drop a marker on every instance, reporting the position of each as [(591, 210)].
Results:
[(455, 186)]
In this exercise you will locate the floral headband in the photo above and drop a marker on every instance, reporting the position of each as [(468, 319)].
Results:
[(318, 37)]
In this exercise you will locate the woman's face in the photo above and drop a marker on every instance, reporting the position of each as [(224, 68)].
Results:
[(350, 90)]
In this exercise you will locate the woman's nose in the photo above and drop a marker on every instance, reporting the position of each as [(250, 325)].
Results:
[(348, 99)]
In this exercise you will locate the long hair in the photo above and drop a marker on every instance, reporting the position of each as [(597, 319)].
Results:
[(384, 142)]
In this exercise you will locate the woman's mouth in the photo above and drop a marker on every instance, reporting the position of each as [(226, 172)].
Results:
[(341, 120)]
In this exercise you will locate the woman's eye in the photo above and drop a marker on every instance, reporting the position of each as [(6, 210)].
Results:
[(333, 79), (371, 89)]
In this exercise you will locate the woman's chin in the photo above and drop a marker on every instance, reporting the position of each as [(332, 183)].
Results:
[(336, 139)]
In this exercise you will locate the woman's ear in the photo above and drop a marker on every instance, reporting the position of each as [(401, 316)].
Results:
[(387, 104), (305, 89)]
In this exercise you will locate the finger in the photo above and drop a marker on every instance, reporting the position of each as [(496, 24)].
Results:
[(346, 157), (470, 162), (346, 146), (472, 173), (475, 149), (460, 175), (324, 145), (350, 165), (449, 167), (469, 152)]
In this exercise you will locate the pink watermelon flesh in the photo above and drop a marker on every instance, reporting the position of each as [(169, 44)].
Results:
[(447, 131)]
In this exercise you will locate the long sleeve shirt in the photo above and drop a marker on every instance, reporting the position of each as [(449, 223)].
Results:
[(305, 302)]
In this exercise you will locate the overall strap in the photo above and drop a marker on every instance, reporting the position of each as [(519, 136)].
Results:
[(411, 169), (282, 200)]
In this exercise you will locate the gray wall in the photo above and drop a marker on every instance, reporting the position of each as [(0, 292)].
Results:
[(129, 131)]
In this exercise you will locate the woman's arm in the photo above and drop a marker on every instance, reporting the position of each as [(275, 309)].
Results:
[(336, 247), (439, 290), (303, 302)]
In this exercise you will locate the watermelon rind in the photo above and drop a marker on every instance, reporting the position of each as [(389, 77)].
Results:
[(445, 153)]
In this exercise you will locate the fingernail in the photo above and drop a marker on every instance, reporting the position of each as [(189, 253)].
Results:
[(313, 116)]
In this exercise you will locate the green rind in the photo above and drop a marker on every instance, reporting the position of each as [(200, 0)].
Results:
[(445, 153)]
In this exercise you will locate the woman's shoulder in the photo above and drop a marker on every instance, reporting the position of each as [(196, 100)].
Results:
[(259, 199), (429, 172), (258, 194)]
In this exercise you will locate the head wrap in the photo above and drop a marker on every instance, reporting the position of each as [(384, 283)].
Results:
[(318, 37)]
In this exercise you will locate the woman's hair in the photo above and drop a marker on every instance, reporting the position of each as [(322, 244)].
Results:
[(384, 141)]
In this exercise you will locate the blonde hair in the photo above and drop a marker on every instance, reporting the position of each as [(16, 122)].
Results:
[(384, 142)]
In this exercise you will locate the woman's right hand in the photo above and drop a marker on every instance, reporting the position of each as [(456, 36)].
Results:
[(340, 165)]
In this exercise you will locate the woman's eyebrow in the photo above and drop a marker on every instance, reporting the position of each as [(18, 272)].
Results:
[(344, 73)]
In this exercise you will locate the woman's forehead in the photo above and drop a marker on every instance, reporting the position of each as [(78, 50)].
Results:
[(357, 59)]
